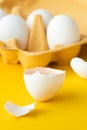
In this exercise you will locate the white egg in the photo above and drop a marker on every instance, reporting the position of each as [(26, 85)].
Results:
[(62, 30), (47, 16), (79, 66), (2, 13), (13, 26), (43, 83)]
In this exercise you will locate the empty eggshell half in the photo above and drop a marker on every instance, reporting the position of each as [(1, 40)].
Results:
[(13, 26), (43, 83), (79, 66), (47, 16), (62, 30)]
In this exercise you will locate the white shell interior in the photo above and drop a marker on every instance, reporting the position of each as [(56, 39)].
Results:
[(43, 83)]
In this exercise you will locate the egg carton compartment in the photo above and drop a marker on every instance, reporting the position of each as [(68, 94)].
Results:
[(62, 55), (37, 52)]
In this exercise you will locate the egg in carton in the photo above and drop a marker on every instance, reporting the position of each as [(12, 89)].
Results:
[(38, 52), (10, 46)]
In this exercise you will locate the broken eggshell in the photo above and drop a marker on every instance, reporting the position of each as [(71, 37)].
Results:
[(18, 111), (79, 66), (43, 83)]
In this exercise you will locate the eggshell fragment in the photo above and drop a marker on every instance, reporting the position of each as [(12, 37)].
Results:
[(13, 26), (47, 16), (79, 66), (18, 111), (43, 83), (62, 30)]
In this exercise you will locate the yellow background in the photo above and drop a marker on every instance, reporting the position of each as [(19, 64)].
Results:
[(68, 109)]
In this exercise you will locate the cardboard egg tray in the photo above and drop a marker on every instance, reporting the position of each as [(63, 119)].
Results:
[(37, 52), (62, 55)]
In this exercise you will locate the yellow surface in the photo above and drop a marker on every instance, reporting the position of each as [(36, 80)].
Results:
[(68, 109)]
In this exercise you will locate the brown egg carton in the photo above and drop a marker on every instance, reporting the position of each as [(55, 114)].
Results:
[(37, 52)]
